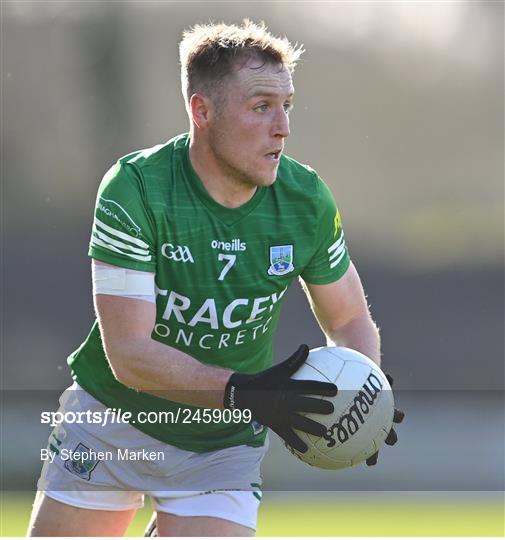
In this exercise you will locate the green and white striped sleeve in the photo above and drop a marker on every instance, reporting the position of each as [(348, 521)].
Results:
[(331, 258), (122, 232)]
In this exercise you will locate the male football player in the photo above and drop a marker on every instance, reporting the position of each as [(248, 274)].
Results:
[(193, 247)]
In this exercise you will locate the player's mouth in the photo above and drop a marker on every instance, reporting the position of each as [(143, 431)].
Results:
[(275, 155)]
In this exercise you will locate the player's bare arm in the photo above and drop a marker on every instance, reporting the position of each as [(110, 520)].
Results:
[(140, 362), (342, 312)]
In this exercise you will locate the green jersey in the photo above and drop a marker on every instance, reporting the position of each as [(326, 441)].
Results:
[(220, 273)]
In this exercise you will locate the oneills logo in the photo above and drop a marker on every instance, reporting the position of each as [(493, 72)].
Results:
[(350, 422)]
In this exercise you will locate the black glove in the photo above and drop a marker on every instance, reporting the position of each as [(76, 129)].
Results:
[(392, 437), (275, 399)]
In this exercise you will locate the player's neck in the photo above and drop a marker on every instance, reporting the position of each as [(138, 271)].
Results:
[(221, 185)]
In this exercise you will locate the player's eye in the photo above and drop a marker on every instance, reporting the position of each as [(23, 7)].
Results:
[(288, 106), (262, 107)]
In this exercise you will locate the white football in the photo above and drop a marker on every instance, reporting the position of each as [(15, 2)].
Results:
[(364, 408)]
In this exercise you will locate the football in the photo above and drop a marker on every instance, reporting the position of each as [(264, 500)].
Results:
[(364, 408)]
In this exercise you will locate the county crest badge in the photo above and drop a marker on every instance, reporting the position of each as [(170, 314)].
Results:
[(81, 467), (281, 260), (257, 428)]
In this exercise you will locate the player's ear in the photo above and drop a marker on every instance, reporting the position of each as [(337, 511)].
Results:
[(199, 108)]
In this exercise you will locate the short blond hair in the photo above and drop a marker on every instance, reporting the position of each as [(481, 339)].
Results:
[(210, 53)]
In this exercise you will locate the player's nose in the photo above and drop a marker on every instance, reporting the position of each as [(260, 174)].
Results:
[(280, 125)]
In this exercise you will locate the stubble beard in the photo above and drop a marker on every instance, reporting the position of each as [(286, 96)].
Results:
[(238, 175)]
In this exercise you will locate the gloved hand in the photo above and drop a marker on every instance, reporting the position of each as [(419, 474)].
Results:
[(275, 399), (392, 437)]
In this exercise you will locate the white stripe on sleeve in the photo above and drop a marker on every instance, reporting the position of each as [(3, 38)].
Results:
[(120, 234), (334, 246), (338, 251), (334, 263), (119, 244), (97, 242)]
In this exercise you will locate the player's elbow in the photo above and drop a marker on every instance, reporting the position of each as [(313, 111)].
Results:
[(124, 359), (121, 371), (360, 324)]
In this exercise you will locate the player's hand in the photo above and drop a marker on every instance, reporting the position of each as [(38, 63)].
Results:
[(275, 399), (392, 437)]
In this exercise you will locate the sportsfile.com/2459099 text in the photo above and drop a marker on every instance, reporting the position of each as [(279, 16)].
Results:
[(118, 416)]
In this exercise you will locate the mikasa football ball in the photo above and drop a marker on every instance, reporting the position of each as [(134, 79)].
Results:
[(364, 408)]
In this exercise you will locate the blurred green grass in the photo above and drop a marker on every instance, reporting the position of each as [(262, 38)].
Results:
[(331, 516)]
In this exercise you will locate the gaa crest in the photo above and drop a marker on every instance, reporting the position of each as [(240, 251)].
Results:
[(281, 260)]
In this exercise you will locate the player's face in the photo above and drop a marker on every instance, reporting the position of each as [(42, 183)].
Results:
[(247, 134)]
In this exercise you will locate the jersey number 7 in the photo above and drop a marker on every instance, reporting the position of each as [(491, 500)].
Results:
[(230, 262)]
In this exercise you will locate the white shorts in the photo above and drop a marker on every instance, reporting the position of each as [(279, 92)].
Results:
[(224, 483)]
